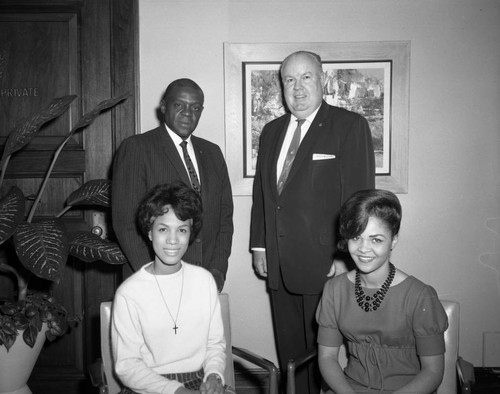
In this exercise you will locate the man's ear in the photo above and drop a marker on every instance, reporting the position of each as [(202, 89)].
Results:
[(163, 106), (149, 235)]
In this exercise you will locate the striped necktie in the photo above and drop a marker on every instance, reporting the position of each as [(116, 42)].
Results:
[(195, 182), (290, 156)]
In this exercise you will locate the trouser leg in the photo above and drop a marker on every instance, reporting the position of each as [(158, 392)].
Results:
[(295, 331)]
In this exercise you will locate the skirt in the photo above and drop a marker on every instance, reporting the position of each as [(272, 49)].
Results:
[(190, 380)]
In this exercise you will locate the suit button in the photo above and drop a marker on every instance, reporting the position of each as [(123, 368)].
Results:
[(278, 207)]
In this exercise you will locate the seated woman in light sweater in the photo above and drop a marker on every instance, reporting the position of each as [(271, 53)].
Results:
[(167, 331)]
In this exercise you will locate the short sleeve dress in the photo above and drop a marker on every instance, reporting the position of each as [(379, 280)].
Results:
[(383, 345)]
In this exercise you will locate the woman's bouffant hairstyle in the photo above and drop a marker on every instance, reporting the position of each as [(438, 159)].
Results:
[(185, 202), (363, 204)]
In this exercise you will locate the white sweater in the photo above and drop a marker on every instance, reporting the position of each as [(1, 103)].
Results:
[(144, 343)]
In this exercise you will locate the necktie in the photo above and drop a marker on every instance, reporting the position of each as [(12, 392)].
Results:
[(195, 183), (290, 156)]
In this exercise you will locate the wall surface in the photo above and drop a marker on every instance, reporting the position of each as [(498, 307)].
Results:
[(450, 234)]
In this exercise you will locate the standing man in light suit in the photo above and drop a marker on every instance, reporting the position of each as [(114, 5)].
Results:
[(294, 216), (170, 152)]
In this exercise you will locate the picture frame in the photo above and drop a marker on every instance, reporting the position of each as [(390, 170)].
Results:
[(371, 78)]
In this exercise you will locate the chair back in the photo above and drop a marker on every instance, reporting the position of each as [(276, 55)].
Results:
[(111, 379), (107, 361), (449, 383)]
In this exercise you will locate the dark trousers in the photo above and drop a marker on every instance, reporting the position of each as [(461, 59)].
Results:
[(295, 330)]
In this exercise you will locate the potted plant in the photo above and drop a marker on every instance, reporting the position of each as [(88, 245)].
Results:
[(42, 247)]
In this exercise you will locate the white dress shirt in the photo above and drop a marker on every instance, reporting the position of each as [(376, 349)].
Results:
[(288, 138), (177, 142)]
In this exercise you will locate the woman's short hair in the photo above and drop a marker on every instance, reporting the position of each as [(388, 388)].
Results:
[(364, 204), (185, 202)]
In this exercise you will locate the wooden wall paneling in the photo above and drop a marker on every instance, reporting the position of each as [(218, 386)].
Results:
[(50, 48), (115, 23), (125, 60)]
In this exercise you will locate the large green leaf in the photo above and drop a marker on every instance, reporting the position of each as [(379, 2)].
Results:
[(22, 134), (42, 247), (11, 212), (94, 192), (89, 247)]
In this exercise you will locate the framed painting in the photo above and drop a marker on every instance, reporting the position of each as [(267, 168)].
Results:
[(371, 78)]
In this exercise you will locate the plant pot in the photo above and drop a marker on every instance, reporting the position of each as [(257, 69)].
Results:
[(17, 364)]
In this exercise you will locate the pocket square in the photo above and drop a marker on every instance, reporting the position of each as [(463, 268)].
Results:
[(322, 156)]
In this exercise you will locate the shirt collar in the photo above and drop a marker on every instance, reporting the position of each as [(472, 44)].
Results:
[(310, 118), (177, 140)]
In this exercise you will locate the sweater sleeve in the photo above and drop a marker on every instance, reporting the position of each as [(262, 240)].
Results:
[(215, 359)]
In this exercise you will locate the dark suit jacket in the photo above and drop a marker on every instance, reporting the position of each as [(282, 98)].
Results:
[(146, 160), (298, 227)]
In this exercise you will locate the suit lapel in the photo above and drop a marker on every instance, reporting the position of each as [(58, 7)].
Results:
[(308, 142), (280, 137), (172, 155), (202, 166)]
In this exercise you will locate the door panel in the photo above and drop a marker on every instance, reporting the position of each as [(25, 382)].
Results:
[(50, 49)]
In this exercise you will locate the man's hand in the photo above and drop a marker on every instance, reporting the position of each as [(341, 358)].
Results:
[(260, 262), (213, 385), (338, 267)]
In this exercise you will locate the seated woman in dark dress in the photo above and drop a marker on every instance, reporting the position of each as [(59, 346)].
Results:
[(392, 323)]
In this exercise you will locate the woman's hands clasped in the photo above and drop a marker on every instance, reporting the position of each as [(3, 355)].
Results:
[(213, 385)]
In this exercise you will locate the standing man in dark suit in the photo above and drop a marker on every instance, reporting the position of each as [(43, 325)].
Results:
[(293, 227), (158, 156)]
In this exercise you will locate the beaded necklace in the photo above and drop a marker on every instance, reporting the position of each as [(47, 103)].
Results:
[(366, 302)]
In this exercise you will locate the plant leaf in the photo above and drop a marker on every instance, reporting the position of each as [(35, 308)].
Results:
[(20, 321), (8, 340), (89, 117), (22, 134), (30, 334), (11, 212), (89, 247), (42, 247), (94, 192)]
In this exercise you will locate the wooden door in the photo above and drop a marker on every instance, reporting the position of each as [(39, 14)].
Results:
[(48, 49)]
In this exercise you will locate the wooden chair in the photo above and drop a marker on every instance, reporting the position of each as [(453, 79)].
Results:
[(455, 368), (102, 374)]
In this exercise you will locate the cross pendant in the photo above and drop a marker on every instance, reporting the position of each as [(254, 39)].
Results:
[(175, 328)]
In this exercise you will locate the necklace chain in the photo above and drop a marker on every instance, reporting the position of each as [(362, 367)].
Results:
[(175, 327), (372, 303)]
